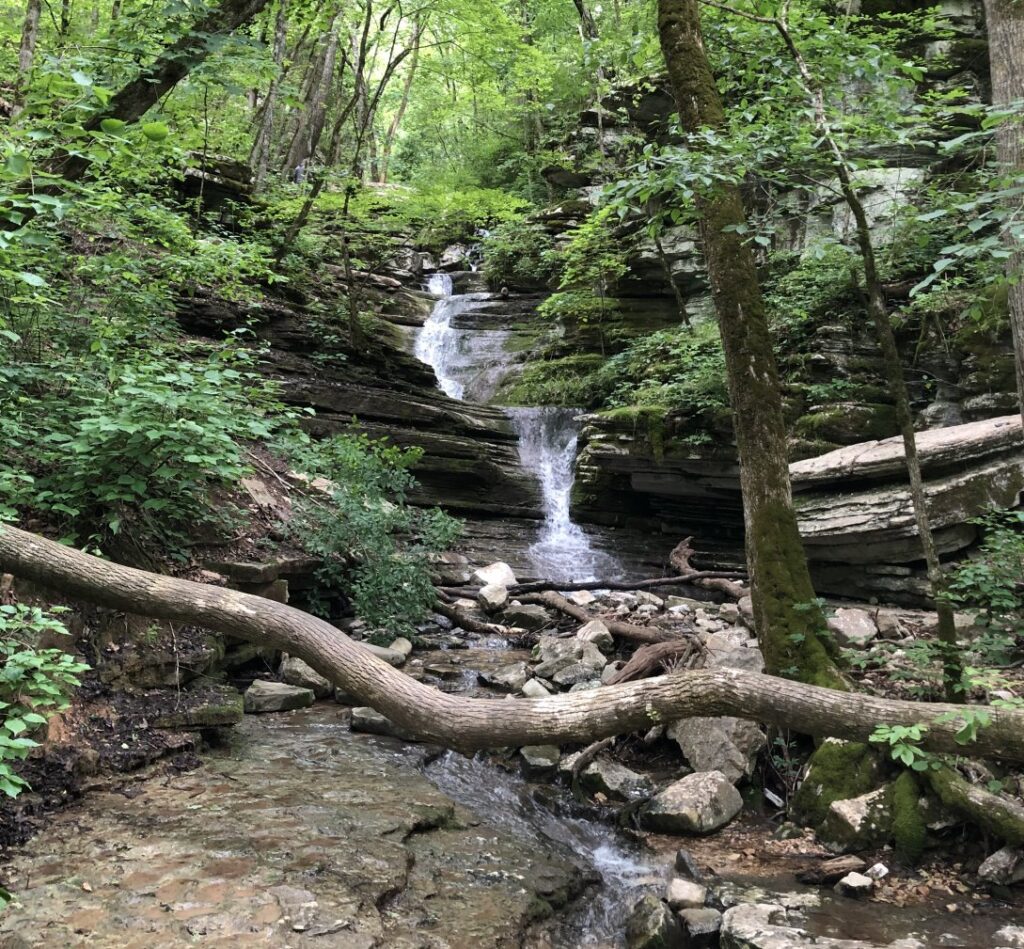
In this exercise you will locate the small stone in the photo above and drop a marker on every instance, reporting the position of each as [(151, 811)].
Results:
[(587, 686), (1010, 936), (390, 656), (746, 608), (581, 598), (685, 894), (681, 604), (855, 885), (535, 689), (610, 670), (402, 646), (496, 573), (696, 804), (597, 633), (369, 720), (700, 927), (649, 599), (853, 628), (539, 758), (729, 613), (510, 678), (615, 781), (877, 871), (294, 671), (493, 597), (652, 925), (858, 823), (1004, 867), (687, 867), (263, 696), (528, 616), (575, 674)]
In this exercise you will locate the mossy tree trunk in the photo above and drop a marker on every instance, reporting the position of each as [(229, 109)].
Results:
[(1005, 20), (789, 622)]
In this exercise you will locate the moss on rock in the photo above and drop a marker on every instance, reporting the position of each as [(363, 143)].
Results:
[(838, 770), (908, 826)]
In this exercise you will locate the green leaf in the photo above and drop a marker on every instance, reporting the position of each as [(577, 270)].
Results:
[(112, 126), (81, 79), (155, 131), (33, 280)]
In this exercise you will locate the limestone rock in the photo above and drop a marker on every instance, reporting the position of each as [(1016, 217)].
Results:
[(728, 745), (498, 573), (581, 598), (200, 706), (1010, 937), (700, 927), (615, 781), (696, 804), (767, 926), (856, 885), (852, 627), (263, 696), (1005, 867), (402, 646), (597, 633), (539, 758), (576, 674), (535, 689), (294, 671), (609, 671), (528, 616), (652, 925), (859, 823), (510, 678), (555, 654), (836, 771), (370, 721), (644, 598), (685, 894), (493, 597), (391, 656)]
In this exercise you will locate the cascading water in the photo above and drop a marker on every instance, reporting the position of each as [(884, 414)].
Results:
[(547, 446), (547, 436)]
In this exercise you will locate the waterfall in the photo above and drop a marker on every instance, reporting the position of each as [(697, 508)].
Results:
[(464, 363), (547, 447)]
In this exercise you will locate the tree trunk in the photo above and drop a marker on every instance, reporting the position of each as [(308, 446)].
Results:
[(27, 51), (469, 724), (788, 620), (259, 157), (396, 121), (1005, 20)]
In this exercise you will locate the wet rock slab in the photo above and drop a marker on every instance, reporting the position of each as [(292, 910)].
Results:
[(299, 834)]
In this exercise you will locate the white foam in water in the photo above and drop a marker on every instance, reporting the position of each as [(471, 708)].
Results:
[(437, 343), (547, 446)]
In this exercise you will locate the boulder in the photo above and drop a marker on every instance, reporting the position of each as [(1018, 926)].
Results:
[(1004, 868), (294, 671), (497, 573), (391, 656), (510, 678), (597, 633), (528, 616), (581, 598), (728, 745), (700, 927), (767, 926), (539, 758), (263, 696), (615, 781), (652, 925), (685, 894), (836, 771), (859, 823), (554, 654), (370, 721), (697, 804), (853, 628), (493, 597), (649, 599), (578, 673)]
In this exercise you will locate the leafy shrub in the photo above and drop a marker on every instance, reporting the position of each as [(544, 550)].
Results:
[(35, 683), (518, 254), (372, 541)]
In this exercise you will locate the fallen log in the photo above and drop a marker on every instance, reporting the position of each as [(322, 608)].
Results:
[(688, 580), (720, 583), (462, 619), (639, 634), (469, 724)]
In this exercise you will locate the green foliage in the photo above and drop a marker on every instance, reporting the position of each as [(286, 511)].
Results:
[(903, 742), (35, 683), (518, 254), (373, 542)]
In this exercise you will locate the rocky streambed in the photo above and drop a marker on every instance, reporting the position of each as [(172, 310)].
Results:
[(308, 827)]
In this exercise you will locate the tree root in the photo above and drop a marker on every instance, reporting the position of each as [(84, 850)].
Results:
[(468, 724), (655, 655), (639, 634)]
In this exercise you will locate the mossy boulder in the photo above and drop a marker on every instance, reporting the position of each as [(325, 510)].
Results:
[(847, 423), (838, 770)]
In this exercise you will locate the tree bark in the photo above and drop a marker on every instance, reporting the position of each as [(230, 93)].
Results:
[(469, 724), (27, 51), (259, 157), (789, 623), (403, 105), (1005, 20)]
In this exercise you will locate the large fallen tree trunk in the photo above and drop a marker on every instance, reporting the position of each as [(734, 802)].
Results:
[(468, 724)]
